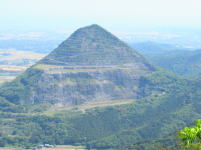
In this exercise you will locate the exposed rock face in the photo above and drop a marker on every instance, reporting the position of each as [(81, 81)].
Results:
[(79, 86), (91, 65)]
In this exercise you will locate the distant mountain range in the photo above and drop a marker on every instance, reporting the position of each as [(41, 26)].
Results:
[(153, 48)]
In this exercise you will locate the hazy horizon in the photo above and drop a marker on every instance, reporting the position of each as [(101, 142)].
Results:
[(123, 15), (173, 21)]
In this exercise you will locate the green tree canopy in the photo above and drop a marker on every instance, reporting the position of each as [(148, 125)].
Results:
[(191, 137)]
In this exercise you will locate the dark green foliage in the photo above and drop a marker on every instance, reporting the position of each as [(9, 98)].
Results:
[(145, 124), (158, 82), (172, 104), (17, 90), (149, 119), (14, 141), (187, 63), (177, 60), (190, 137)]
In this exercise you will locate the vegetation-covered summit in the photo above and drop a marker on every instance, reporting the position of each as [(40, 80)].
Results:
[(93, 45)]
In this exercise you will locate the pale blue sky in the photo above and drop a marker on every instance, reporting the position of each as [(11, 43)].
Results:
[(112, 14)]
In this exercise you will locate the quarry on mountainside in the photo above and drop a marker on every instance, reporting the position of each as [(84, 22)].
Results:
[(91, 65)]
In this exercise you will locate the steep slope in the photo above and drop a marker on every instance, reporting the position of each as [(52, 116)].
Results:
[(92, 64), (93, 45)]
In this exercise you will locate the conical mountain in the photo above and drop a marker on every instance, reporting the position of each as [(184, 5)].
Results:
[(91, 65), (93, 45)]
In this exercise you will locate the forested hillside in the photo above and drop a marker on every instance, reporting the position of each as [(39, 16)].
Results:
[(141, 123), (176, 59)]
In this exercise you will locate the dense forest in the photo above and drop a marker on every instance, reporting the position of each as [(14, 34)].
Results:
[(136, 125)]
